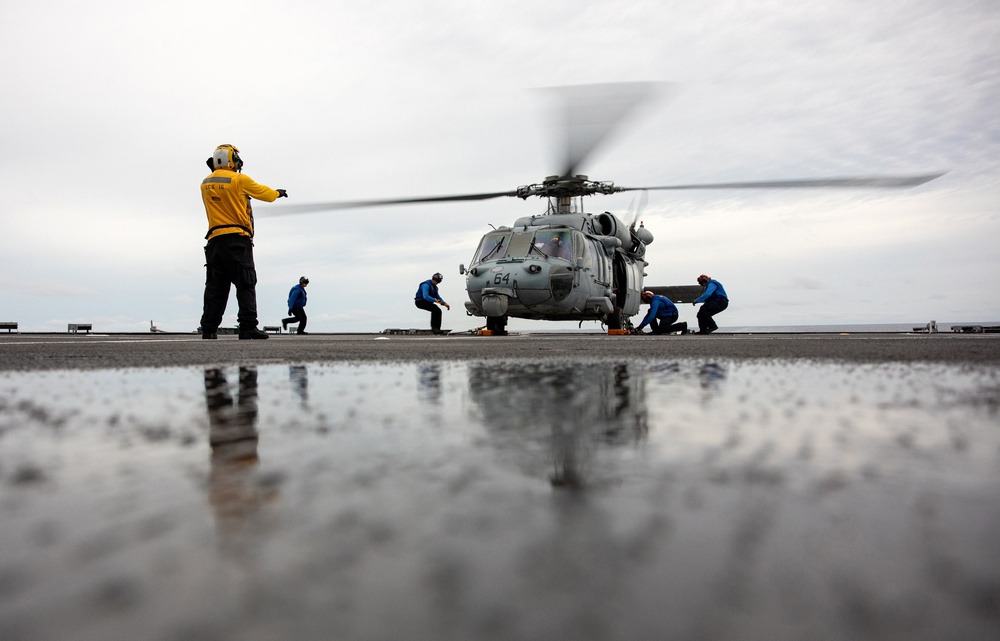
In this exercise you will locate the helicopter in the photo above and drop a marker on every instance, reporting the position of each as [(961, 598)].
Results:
[(567, 264)]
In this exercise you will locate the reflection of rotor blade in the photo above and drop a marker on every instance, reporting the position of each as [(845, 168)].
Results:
[(306, 208), (591, 112), (874, 181)]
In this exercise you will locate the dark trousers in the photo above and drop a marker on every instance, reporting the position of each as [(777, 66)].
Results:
[(709, 309), (667, 325), (229, 261), (298, 315), (435, 313)]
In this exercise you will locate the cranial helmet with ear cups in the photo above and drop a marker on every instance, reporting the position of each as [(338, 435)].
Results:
[(227, 156)]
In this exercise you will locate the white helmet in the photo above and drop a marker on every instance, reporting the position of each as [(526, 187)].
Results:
[(227, 156)]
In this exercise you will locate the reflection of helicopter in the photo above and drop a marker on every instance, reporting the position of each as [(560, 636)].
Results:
[(566, 264), (560, 417)]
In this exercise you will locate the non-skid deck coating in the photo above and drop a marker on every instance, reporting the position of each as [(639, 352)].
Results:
[(551, 492), (64, 351)]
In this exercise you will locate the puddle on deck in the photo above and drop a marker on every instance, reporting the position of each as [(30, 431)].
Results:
[(502, 500)]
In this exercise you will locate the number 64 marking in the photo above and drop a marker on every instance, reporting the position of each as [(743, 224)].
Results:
[(501, 278)]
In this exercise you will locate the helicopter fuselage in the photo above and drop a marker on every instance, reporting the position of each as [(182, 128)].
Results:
[(559, 266)]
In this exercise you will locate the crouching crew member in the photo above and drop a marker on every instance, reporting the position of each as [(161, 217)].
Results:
[(714, 300), (662, 315), (229, 253), (426, 297)]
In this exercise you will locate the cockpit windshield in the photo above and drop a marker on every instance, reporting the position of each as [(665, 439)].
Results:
[(547, 243), (493, 246)]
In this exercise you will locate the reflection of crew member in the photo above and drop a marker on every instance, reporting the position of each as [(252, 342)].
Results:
[(233, 490), (714, 300), (662, 315), (711, 376), (299, 377), (426, 297), (430, 382), (296, 306), (226, 194)]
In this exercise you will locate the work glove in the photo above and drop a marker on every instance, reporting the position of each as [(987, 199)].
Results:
[(282, 193), (448, 306), (289, 312)]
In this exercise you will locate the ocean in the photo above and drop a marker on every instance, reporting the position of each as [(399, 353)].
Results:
[(942, 326)]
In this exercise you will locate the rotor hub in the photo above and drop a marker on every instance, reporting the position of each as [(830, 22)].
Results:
[(567, 187)]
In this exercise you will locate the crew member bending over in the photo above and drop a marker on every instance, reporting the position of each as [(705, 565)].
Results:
[(426, 297), (714, 300), (662, 315)]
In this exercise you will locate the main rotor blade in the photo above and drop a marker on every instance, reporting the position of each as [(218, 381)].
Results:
[(634, 213), (282, 210), (591, 112), (859, 181)]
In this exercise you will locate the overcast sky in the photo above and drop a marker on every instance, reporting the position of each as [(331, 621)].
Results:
[(109, 110)]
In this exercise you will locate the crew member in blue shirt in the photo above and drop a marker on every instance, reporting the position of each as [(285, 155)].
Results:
[(662, 315), (426, 297), (296, 305), (714, 300)]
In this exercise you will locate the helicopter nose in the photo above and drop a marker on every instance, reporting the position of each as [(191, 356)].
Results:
[(495, 304)]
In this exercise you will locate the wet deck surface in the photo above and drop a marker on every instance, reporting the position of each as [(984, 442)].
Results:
[(575, 488)]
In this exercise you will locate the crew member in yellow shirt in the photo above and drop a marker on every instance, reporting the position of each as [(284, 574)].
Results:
[(229, 253)]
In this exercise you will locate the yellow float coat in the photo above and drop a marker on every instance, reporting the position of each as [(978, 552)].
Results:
[(227, 195)]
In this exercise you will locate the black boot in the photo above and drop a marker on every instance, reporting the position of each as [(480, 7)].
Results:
[(252, 334)]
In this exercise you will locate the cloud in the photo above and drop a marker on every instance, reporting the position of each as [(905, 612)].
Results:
[(110, 109), (33, 288)]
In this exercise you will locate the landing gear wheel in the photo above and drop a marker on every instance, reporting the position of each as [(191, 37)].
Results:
[(614, 319), (620, 291), (497, 325)]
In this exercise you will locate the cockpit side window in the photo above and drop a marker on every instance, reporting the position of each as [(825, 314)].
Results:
[(553, 244), (598, 262)]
